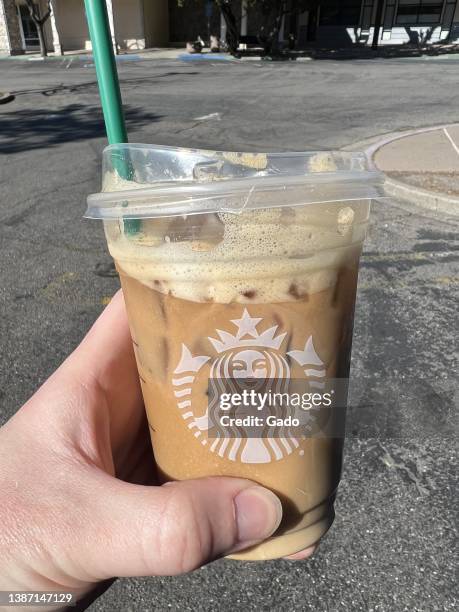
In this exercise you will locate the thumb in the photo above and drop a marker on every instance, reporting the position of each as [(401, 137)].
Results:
[(175, 528)]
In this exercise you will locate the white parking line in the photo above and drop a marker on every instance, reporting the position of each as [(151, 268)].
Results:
[(453, 144)]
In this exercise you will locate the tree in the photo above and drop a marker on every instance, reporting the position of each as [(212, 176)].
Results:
[(378, 23), (232, 25), (34, 11), (273, 13)]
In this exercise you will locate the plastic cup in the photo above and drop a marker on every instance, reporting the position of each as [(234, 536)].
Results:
[(240, 267)]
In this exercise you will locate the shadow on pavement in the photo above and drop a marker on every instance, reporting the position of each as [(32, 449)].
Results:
[(356, 51), (32, 128), (383, 52), (91, 87)]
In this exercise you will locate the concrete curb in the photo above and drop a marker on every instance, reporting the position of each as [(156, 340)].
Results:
[(437, 201)]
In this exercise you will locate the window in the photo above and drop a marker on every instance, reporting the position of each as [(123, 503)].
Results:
[(28, 27), (340, 13), (421, 12)]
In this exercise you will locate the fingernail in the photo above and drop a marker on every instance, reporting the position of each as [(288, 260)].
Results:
[(303, 554), (258, 513)]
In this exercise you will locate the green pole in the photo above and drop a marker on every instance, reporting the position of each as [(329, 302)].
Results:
[(107, 76), (109, 89)]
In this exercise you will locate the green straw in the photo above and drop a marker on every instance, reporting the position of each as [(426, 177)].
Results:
[(109, 90)]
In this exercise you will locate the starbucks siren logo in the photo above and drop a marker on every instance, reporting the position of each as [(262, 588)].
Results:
[(247, 354)]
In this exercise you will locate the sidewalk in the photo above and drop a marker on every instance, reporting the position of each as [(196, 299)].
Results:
[(356, 52), (150, 53), (154, 53), (422, 167)]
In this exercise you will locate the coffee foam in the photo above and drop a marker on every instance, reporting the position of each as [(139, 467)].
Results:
[(273, 255)]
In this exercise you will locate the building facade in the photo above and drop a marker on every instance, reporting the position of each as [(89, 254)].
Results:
[(135, 24), (138, 24), (403, 21), (335, 23)]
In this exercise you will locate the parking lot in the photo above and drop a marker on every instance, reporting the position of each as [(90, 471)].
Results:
[(390, 548)]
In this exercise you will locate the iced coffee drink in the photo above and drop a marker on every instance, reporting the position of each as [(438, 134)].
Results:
[(253, 293)]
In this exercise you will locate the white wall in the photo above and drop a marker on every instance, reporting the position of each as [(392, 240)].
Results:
[(399, 35), (73, 29), (128, 19), (71, 24)]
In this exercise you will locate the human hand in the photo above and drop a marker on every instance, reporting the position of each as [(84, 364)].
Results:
[(76, 468)]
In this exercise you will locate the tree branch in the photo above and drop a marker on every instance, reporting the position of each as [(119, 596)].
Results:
[(45, 17), (47, 14), (35, 15), (32, 9)]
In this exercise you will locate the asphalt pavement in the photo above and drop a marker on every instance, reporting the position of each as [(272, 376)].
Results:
[(392, 545)]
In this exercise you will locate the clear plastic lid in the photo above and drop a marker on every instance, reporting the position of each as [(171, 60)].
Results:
[(148, 181)]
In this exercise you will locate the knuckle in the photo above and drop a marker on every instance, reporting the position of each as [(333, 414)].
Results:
[(185, 537)]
